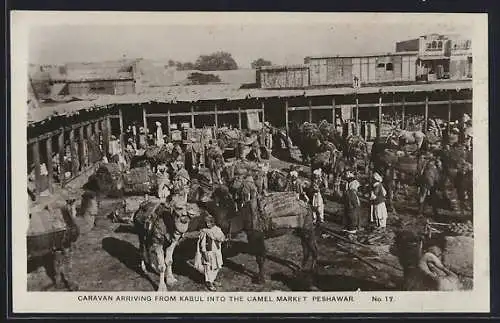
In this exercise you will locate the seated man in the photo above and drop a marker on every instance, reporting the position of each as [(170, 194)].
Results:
[(437, 275)]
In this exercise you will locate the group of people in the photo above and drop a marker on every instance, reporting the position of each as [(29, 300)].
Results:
[(351, 198)]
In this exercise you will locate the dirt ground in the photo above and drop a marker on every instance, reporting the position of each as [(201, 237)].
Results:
[(107, 259)]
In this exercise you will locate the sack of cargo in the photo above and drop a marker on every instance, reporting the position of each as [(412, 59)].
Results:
[(152, 152), (458, 255), (281, 204), (139, 181), (109, 179), (46, 231), (176, 135)]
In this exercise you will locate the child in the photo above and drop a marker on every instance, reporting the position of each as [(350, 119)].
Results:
[(209, 252), (377, 198), (318, 205), (164, 184)]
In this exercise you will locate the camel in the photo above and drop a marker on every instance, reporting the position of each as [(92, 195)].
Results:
[(159, 227), (55, 243), (253, 220)]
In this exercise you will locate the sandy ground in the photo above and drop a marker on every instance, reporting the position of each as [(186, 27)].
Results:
[(106, 259)]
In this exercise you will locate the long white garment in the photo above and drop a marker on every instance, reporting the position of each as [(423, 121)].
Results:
[(379, 211), (159, 136), (319, 206), (209, 262)]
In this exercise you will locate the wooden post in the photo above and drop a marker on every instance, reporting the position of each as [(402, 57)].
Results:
[(192, 117), (286, 116), (104, 135), (144, 119), (62, 152), (168, 123), (310, 111), (426, 117), (239, 118), (82, 156), (403, 123), (216, 117), (50, 166), (74, 169), (334, 116), (89, 137), (379, 122), (357, 117), (36, 161), (122, 134), (262, 107), (449, 113)]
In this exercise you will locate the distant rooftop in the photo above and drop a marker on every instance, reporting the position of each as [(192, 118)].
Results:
[(364, 55)]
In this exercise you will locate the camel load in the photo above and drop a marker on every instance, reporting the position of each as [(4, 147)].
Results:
[(110, 180), (51, 233)]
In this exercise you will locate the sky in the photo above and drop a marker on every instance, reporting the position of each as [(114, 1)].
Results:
[(280, 43)]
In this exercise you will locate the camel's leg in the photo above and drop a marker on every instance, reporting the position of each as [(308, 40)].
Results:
[(305, 251), (258, 247), (66, 259), (421, 199), (169, 252), (162, 287)]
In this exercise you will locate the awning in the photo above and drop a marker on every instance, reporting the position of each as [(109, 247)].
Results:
[(433, 58)]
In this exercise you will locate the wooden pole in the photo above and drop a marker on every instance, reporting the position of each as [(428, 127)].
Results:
[(144, 119), (286, 117), (104, 135), (239, 118), (122, 134), (36, 161), (192, 117), (449, 113), (357, 116), (81, 145), (426, 117), (379, 121), (334, 116), (74, 169), (310, 111), (169, 121), (216, 117), (62, 152), (262, 107), (403, 123), (50, 166)]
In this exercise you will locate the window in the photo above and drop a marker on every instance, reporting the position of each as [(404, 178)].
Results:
[(428, 45), (389, 67), (455, 46), (380, 65), (440, 45), (434, 45)]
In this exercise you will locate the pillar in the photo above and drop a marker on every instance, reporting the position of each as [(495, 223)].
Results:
[(426, 113), (81, 145), (192, 117), (36, 161), (333, 112), (403, 108), (449, 113), (357, 117), (50, 165), (122, 134), (216, 117), (286, 117), (379, 121), (239, 118), (144, 119), (62, 152), (74, 169), (310, 111)]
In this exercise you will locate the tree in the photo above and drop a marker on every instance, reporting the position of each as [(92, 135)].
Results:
[(171, 63), (201, 78), (218, 61), (260, 62)]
